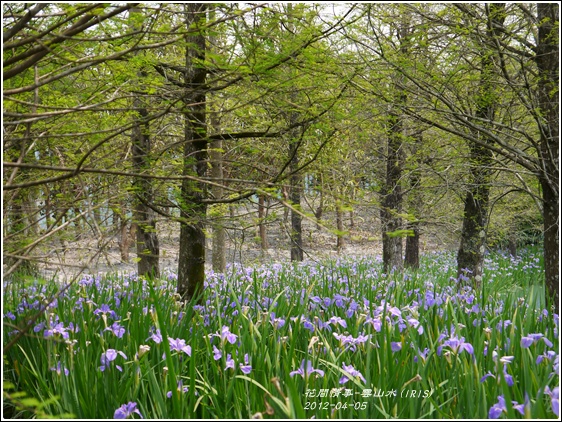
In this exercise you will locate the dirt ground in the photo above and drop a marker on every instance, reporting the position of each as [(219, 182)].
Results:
[(102, 255)]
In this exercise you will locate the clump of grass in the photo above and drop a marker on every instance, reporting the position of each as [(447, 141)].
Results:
[(339, 339)]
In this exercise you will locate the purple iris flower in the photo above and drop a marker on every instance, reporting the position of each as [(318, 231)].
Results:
[(352, 372), (338, 300), (554, 395), (105, 310), (59, 369), (155, 335), (550, 355), (527, 341), (179, 345), (181, 388), (308, 325), (304, 371), (226, 334), (422, 355), (56, 329), (393, 310), (416, 324), (217, 354), (246, 368), (375, 322), (337, 320), (353, 306), (395, 346), (229, 362), (351, 342), (497, 409), (456, 345), (109, 356), (276, 322), (508, 378), (488, 375), (126, 410), (116, 329)]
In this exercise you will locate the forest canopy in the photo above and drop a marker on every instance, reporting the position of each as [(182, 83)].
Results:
[(118, 118)]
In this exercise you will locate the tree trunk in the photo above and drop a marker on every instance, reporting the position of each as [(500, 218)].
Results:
[(320, 210), (217, 172), (148, 248), (261, 223), (340, 242), (392, 191), (470, 257), (297, 253), (392, 199), (219, 234), (191, 266), (412, 257), (547, 59)]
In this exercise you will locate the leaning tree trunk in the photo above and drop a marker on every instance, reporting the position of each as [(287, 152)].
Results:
[(191, 266), (547, 59)]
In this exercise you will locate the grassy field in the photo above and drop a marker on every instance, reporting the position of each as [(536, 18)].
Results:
[(337, 339)]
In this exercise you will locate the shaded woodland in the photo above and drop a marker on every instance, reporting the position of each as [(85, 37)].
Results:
[(222, 121)]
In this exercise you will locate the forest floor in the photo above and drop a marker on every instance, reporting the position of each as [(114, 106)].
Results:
[(102, 255)]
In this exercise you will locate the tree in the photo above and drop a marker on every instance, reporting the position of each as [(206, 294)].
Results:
[(148, 250), (548, 119), (191, 266), (470, 257), (526, 136)]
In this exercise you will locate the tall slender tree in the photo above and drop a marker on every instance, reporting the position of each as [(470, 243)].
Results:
[(191, 266), (148, 249), (547, 59)]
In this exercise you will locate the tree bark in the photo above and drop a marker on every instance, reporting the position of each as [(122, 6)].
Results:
[(297, 253), (470, 257), (340, 242), (392, 198), (547, 59), (261, 223), (392, 190), (148, 248), (217, 172), (412, 255), (191, 266)]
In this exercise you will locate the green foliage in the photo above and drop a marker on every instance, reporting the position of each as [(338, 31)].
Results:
[(18, 405), (405, 322)]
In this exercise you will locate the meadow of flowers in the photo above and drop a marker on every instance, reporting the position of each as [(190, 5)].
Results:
[(337, 339)]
